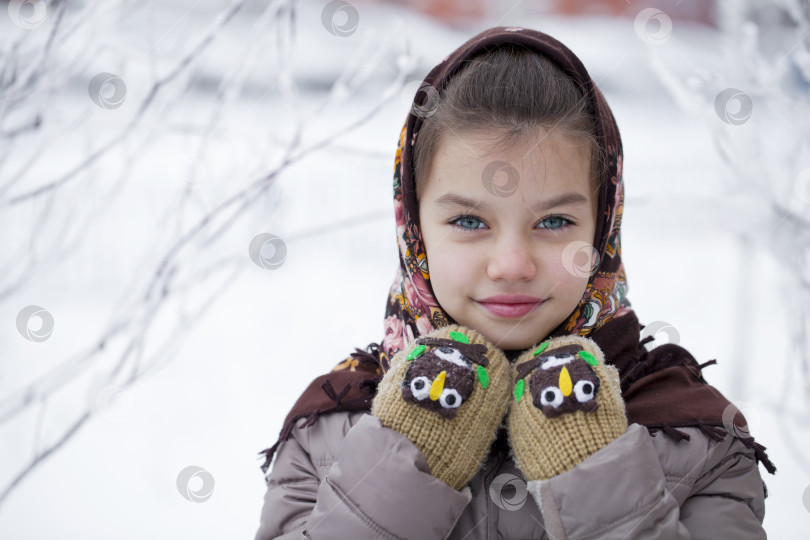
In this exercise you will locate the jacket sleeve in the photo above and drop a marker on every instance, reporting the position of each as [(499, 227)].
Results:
[(347, 476), (710, 490)]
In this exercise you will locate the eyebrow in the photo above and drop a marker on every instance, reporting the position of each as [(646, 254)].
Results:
[(454, 199)]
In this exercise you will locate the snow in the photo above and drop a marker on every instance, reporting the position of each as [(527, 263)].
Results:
[(219, 394)]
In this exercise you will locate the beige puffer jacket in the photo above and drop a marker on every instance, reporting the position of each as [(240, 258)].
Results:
[(348, 477)]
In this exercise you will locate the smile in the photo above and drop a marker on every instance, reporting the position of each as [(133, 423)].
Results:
[(510, 310)]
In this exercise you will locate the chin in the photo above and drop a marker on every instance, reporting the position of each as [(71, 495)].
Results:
[(515, 345), (508, 341)]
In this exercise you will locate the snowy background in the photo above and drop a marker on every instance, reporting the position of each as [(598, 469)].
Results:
[(144, 145)]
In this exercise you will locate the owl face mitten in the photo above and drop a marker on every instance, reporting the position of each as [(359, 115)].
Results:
[(567, 404), (448, 392)]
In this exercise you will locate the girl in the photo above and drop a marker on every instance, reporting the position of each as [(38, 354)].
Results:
[(511, 396)]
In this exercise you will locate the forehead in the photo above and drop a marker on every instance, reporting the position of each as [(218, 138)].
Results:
[(545, 164)]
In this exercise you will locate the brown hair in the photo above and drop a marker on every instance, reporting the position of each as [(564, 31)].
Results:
[(514, 91)]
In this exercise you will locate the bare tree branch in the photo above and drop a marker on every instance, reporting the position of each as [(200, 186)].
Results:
[(187, 277)]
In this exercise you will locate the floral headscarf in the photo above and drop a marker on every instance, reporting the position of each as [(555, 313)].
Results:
[(412, 308)]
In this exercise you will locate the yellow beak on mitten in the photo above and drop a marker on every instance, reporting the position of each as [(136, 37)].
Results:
[(448, 392), (566, 405)]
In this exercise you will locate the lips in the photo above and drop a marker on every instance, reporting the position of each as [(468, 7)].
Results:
[(511, 305), (511, 299)]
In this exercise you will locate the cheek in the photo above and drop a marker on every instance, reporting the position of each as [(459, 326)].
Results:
[(456, 274), (574, 286), (571, 276), (451, 268)]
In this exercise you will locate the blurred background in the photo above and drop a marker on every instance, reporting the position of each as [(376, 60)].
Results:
[(196, 217)]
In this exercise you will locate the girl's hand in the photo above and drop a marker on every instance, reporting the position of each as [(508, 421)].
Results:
[(448, 392), (567, 404)]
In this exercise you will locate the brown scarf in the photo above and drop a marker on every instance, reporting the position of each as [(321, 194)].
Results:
[(663, 389)]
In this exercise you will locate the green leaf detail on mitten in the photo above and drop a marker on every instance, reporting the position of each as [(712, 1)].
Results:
[(458, 336), (435, 400), (540, 349), (519, 390), (483, 376), (588, 357), (416, 352)]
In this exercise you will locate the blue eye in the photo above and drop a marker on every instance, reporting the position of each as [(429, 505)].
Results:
[(566, 223), (466, 223), (471, 223)]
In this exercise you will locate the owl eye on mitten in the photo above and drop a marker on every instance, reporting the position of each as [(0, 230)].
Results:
[(448, 392), (567, 404)]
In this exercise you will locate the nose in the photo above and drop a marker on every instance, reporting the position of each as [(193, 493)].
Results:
[(512, 260)]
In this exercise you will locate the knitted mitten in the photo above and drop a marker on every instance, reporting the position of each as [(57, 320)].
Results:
[(567, 405), (448, 392)]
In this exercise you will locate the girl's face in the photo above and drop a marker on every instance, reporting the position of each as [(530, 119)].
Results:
[(507, 235)]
